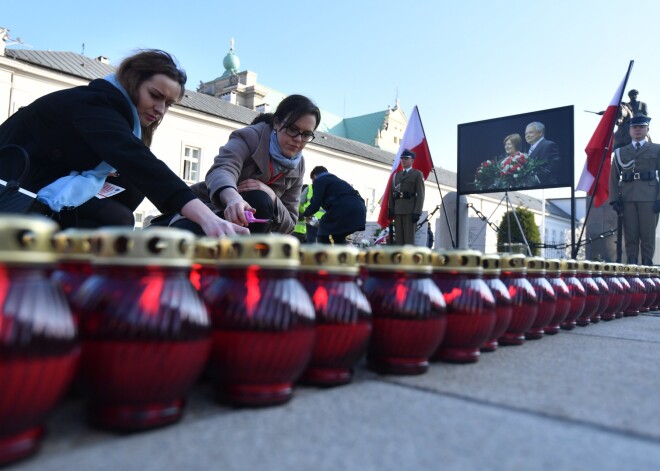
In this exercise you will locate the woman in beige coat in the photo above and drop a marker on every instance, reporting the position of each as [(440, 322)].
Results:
[(261, 168)]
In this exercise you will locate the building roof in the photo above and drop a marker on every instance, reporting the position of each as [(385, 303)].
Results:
[(69, 63), (363, 128)]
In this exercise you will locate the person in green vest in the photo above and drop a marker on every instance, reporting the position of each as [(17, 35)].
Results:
[(306, 228), (300, 229)]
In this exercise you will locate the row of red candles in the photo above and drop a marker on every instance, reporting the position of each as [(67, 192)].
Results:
[(137, 336)]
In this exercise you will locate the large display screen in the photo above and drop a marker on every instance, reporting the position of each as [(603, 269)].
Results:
[(521, 152)]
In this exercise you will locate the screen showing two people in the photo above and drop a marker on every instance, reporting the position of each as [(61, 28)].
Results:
[(522, 152)]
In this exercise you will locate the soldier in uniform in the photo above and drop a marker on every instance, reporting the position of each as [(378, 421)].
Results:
[(406, 199), (634, 191)]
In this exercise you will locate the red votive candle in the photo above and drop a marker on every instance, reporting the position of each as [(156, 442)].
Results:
[(562, 293), (408, 310), (524, 303), (592, 301), (637, 290), (262, 319), (343, 314), (205, 263), (39, 350), (545, 296), (615, 289), (470, 305), (491, 276), (74, 260), (145, 331), (568, 269)]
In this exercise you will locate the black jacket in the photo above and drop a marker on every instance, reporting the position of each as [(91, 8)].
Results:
[(76, 129), (345, 211)]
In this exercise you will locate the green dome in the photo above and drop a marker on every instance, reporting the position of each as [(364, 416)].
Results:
[(231, 62)]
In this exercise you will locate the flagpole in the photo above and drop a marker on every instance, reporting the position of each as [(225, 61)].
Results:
[(437, 181), (606, 153)]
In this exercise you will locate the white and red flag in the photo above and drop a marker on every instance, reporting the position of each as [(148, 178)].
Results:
[(414, 140), (595, 184)]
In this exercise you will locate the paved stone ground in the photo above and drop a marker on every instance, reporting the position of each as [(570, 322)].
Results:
[(580, 400)]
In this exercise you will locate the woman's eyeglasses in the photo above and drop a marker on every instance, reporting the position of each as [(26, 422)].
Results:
[(293, 132)]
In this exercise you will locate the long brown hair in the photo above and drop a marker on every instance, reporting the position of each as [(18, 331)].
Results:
[(142, 66)]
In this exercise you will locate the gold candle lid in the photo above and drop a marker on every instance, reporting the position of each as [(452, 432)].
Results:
[(513, 262), (597, 268), (553, 266), (584, 267), (206, 251), (462, 261), (26, 239), (490, 262), (162, 246), (609, 269), (74, 244), (631, 269), (264, 250), (338, 259), (568, 267), (409, 258), (535, 265)]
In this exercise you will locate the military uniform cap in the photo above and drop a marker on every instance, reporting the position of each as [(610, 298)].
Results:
[(640, 120)]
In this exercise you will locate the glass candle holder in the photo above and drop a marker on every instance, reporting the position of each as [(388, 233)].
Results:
[(343, 314), (262, 319), (205, 269), (39, 349), (615, 289), (637, 290), (562, 295), (603, 289), (524, 303), (470, 305), (656, 280), (650, 288), (74, 261), (408, 310), (568, 269), (545, 296), (592, 301), (503, 308), (145, 332), (627, 289)]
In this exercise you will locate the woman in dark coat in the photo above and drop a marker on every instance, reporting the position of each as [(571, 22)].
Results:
[(84, 137), (345, 211)]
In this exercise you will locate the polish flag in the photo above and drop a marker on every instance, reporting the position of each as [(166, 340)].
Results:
[(414, 139), (599, 151)]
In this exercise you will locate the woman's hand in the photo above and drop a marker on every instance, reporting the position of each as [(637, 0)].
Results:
[(250, 184), (211, 224), (235, 210), (216, 227)]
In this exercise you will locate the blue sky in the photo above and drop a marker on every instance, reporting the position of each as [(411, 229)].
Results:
[(459, 62)]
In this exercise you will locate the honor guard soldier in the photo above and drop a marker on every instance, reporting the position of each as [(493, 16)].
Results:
[(406, 199), (634, 191)]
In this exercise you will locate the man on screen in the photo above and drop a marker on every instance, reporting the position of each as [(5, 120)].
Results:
[(543, 154)]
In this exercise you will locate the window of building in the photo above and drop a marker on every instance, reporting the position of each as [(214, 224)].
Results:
[(190, 164)]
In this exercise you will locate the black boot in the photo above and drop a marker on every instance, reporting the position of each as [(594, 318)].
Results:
[(647, 261), (632, 260)]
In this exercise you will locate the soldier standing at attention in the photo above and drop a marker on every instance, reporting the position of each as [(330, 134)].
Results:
[(406, 200), (634, 191)]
